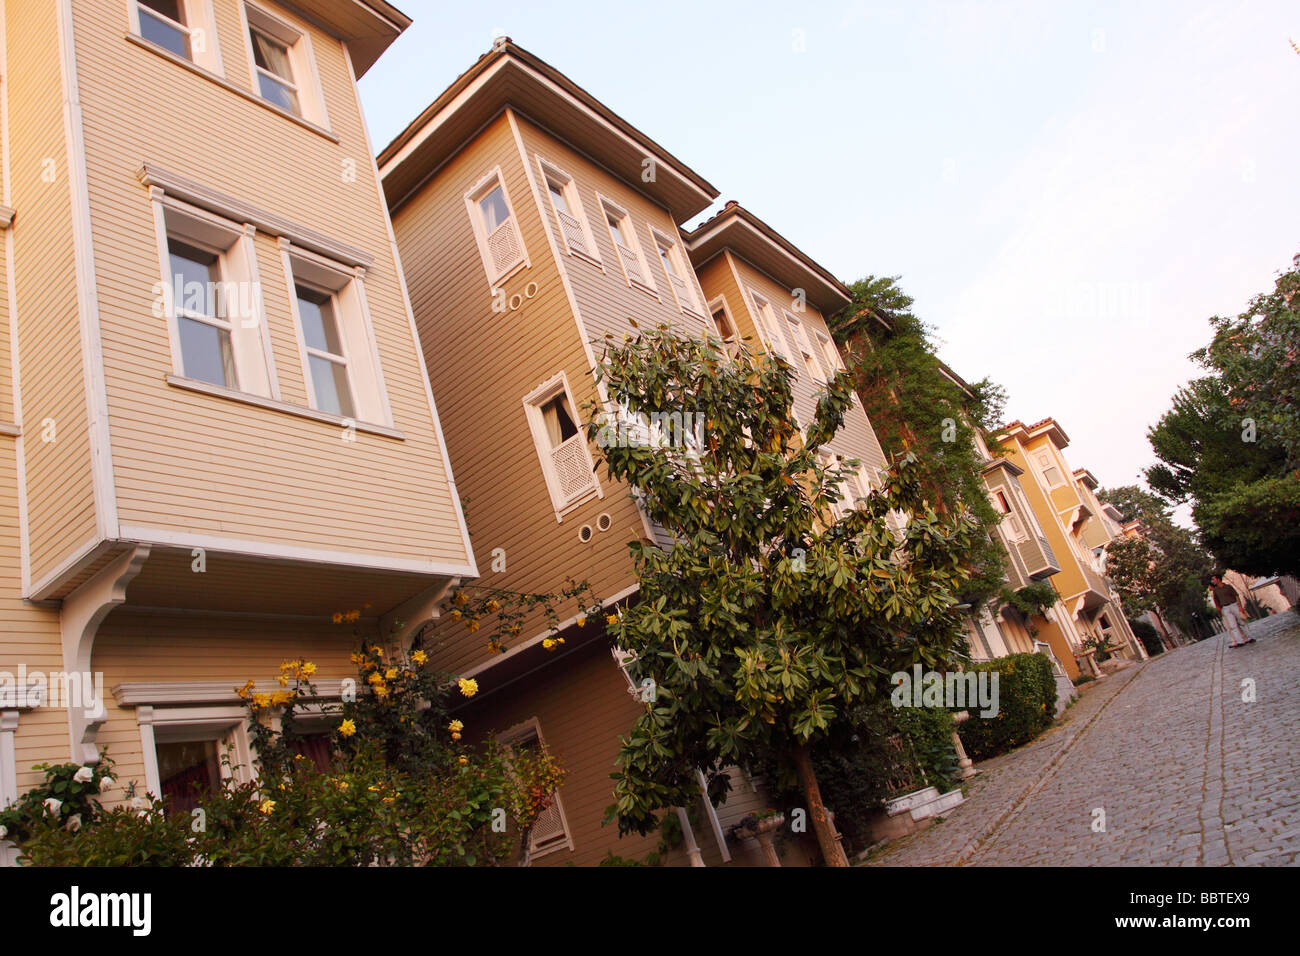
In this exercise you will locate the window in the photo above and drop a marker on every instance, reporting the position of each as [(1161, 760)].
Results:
[(189, 751), (325, 359), (212, 301), (180, 27), (567, 206), (561, 445), (726, 329), (336, 344), (283, 67), (1051, 474), (188, 771), (800, 336), (765, 319), (1010, 520), (830, 353), (550, 830), (680, 278), (626, 246), (496, 228)]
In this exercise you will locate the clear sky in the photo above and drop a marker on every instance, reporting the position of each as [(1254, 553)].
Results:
[(1068, 189)]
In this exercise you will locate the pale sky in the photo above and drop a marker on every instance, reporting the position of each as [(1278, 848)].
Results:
[(1069, 190)]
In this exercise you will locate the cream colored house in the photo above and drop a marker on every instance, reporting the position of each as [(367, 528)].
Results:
[(533, 221), (216, 425)]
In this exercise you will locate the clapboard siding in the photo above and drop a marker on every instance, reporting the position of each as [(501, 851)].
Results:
[(134, 646), (582, 706), (482, 364), (718, 277), (60, 498), (189, 463), (29, 636)]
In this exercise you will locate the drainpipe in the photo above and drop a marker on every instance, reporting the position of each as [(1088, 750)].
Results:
[(714, 822), (692, 848)]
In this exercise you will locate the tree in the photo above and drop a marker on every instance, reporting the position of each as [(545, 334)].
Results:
[(914, 406), (768, 620), (1164, 567), (1244, 499)]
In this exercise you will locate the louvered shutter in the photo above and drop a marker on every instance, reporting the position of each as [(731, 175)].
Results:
[(573, 234), (504, 247), (548, 829), (572, 469)]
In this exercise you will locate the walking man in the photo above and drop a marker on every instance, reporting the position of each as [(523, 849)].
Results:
[(1226, 600)]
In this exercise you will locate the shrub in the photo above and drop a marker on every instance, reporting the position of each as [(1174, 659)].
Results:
[(1026, 706), (399, 789), (1148, 635)]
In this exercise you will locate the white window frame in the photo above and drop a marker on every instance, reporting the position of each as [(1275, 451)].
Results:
[(199, 25), (511, 737), (644, 281), (346, 287), (668, 247), (553, 387), (306, 80), (1043, 468), (233, 244), (568, 187), (226, 724), (720, 304), (812, 364), (765, 321), (829, 352), (480, 191)]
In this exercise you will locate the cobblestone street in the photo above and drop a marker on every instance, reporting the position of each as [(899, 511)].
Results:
[(1181, 770)]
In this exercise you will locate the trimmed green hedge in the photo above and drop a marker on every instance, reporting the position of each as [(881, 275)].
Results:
[(1026, 706)]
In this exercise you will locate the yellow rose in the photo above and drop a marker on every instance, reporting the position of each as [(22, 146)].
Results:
[(455, 726), (455, 736), (391, 674), (261, 701), (284, 681), (472, 626), (462, 760), (547, 643), (611, 619), (381, 690), (582, 620), (420, 657), (493, 606), (376, 678), (267, 806), (468, 686), (461, 598), (307, 669), (455, 614), (347, 728)]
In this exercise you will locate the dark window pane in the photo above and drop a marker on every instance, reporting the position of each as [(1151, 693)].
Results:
[(206, 354), (319, 327), (278, 93), (193, 268), (330, 382), (495, 211), (188, 772)]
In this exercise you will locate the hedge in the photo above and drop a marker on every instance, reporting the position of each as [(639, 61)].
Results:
[(1026, 706)]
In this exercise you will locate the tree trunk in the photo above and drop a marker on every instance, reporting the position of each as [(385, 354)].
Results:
[(827, 838)]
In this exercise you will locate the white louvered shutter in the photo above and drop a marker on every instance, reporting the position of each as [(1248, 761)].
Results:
[(504, 247), (572, 469), (573, 234), (548, 829)]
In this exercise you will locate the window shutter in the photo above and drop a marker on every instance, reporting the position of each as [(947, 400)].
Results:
[(569, 461), (573, 234), (548, 829), (631, 264), (504, 247)]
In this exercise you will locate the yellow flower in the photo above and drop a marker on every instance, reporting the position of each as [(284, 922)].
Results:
[(455, 614), (582, 620), (462, 760), (381, 690), (559, 640), (379, 652), (246, 690), (376, 678), (347, 728), (461, 598), (388, 799), (468, 686), (611, 619), (455, 726), (420, 657), (284, 681), (455, 736), (515, 628), (267, 806), (357, 658), (391, 674), (338, 618), (472, 625), (261, 701), (307, 669), (493, 606), (281, 697), (547, 643)]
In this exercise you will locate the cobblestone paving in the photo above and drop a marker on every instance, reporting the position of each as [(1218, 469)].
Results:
[(1184, 771)]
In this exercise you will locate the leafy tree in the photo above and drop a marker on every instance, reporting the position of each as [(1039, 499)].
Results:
[(1245, 500), (1163, 568), (768, 621), (914, 406)]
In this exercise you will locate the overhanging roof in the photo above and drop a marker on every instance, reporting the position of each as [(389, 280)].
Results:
[(367, 27), (509, 76), (738, 229), (1047, 426), (1087, 477)]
